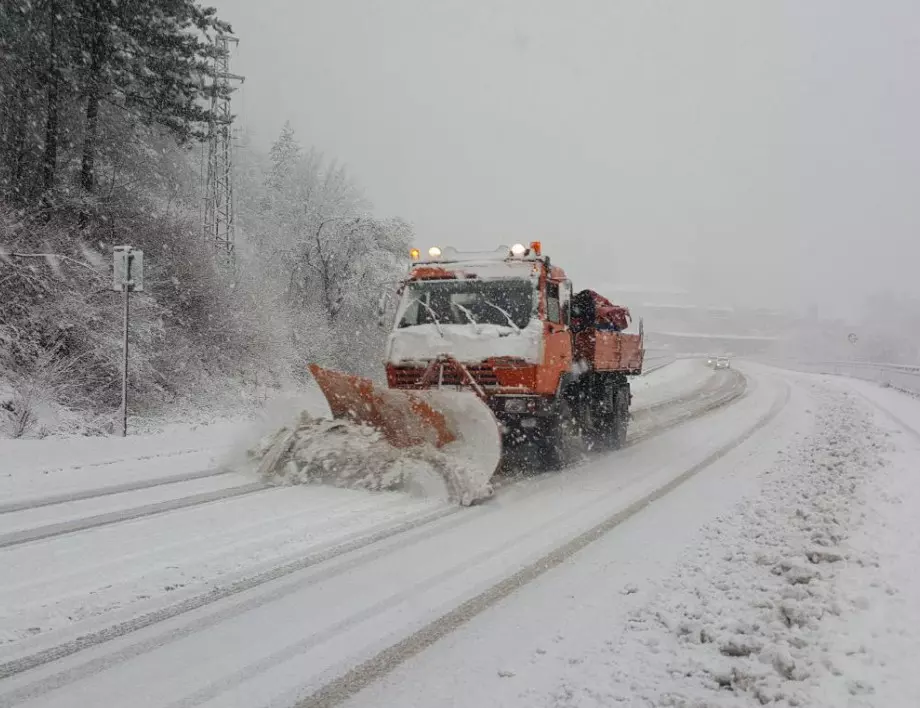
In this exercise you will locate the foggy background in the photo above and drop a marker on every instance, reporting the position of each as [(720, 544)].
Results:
[(754, 153)]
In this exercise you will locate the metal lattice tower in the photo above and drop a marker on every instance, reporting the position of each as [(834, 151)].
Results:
[(218, 218)]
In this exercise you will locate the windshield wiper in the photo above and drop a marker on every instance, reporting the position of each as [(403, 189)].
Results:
[(505, 313), (469, 316), (434, 316)]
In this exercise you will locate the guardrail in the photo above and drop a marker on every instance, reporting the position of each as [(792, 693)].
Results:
[(899, 376)]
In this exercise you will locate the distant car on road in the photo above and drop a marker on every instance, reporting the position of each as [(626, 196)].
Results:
[(722, 362)]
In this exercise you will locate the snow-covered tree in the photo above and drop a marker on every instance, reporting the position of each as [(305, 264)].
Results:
[(100, 107), (326, 254), (284, 155), (71, 61)]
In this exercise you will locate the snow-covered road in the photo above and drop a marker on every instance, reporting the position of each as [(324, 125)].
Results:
[(783, 574), (583, 587), (54, 589)]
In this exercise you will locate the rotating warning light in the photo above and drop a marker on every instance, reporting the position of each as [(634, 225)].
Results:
[(518, 250), (536, 247), (414, 254), (434, 252)]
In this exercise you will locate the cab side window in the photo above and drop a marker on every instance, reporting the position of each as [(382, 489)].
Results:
[(553, 311), (565, 302)]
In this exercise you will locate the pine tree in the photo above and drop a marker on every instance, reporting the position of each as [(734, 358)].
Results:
[(147, 58), (65, 63), (284, 154), (37, 84)]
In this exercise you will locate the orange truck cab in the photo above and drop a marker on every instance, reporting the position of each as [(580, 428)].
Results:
[(541, 357)]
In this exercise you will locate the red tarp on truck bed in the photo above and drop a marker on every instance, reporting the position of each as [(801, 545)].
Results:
[(607, 315), (599, 339)]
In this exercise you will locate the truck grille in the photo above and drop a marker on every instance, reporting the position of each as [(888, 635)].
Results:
[(408, 376)]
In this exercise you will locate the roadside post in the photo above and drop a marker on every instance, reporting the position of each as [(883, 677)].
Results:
[(128, 278)]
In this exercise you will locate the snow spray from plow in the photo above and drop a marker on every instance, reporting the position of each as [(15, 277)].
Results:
[(436, 442)]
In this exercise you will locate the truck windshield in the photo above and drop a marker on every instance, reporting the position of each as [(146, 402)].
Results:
[(468, 301)]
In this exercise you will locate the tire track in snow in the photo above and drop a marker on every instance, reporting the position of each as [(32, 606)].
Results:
[(40, 533), (119, 460), (16, 666), (361, 676), (28, 504), (714, 394), (726, 392)]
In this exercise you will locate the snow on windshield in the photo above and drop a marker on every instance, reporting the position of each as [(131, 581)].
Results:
[(496, 302)]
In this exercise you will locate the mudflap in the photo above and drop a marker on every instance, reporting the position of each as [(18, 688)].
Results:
[(456, 422)]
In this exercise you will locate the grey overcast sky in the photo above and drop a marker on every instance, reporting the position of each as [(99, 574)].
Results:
[(757, 152)]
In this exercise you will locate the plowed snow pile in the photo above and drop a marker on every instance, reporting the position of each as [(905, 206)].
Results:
[(344, 454)]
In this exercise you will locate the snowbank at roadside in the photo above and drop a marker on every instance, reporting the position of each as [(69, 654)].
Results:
[(762, 611), (879, 644)]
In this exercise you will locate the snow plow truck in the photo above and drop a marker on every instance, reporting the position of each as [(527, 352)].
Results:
[(491, 353)]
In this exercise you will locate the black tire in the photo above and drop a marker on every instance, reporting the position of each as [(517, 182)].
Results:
[(558, 438), (621, 417), (611, 416), (530, 458)]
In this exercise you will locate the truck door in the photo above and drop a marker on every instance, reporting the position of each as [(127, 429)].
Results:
[(557, 351)]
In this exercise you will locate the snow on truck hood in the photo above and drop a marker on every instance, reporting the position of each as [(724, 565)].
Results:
[(467, 343)]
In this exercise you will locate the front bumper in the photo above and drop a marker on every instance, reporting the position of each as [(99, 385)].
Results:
[(525, 417)]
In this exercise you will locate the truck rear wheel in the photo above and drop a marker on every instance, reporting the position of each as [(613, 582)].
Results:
[(621, 417), (611, 418)]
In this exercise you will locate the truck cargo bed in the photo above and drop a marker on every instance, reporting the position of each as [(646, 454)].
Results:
[(610, 351)]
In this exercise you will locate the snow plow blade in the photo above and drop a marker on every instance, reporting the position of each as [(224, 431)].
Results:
[(455, 422)]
